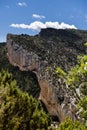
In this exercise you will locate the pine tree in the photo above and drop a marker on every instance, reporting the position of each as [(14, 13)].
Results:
[(18, 110)]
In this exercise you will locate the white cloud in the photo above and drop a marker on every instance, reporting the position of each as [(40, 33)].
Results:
[(34, 26), (64, 26), (38, 16), (24, 26), (37, 25), (52, 25), (22, 4)]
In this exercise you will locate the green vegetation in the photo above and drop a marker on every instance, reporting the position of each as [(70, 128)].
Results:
[(60, 72), (78, 74), (70, 125), (77, 78), (26, 81), (83, 106), (18, 110), (85, 44)]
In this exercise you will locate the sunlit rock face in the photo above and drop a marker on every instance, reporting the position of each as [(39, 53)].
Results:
[(43, 51), (20, 57)]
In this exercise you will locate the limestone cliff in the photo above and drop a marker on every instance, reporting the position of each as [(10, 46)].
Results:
[(30, 61), (57, 100)]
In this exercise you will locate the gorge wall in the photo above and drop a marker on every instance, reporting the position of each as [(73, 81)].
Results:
[(58, 102)]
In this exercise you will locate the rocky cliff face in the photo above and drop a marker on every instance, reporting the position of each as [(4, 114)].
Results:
[(30, 61), (56, 99), (20, 57)]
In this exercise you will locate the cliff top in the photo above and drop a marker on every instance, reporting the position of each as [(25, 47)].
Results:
[(57, 47)]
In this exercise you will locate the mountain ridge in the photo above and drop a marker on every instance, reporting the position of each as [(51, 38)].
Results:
[(46, 51), (60, 43)]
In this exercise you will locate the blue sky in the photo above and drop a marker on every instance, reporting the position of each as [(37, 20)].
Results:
[(29, 16)]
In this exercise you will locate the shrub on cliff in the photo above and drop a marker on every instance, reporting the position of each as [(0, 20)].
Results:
[(70, 125), (18, 110), (77, 76)]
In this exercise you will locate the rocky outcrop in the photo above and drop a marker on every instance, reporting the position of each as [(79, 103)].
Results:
[(56, 99), (20, 57)]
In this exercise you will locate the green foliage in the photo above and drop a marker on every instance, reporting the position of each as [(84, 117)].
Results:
[(18, 111), (83, 106), (85, 44), (26, 81), (60, 72), (72, 77), (69, 125), (77, 76)]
